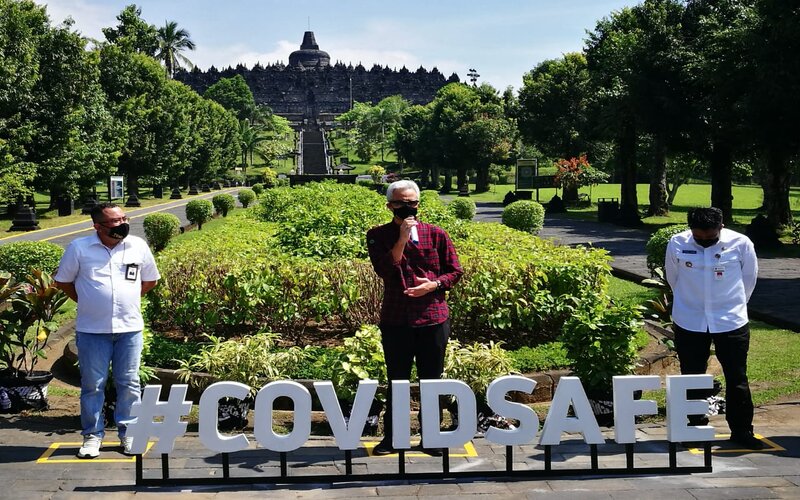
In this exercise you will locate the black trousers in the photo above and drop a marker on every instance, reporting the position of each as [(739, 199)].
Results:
[(731, 349), (402, 345)]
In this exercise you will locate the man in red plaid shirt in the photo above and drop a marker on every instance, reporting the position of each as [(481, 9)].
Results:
[(418, 264)]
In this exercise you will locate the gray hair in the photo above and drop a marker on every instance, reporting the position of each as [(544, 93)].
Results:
[(403, 185)]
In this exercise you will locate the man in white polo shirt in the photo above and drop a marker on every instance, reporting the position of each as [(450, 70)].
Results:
[(106, 274), (712, 272)]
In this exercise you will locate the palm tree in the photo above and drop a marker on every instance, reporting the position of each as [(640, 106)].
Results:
[(250, 138), (171, 42)]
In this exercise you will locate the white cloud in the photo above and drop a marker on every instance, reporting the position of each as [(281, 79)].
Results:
[(89, 18)]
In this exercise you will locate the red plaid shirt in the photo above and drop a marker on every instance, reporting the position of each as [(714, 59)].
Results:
[(434, 257)]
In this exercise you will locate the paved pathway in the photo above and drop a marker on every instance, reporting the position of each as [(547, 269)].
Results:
[(776, 298)]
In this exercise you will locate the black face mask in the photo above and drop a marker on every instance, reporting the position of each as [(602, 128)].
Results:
[(119, 232), (706, 243), (405, 212)]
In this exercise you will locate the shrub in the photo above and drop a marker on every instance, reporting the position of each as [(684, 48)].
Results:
[(524, 215), (463, 208), (476, 364), (246, 197), (22, 257), (198, 212), (376, 172), (237, 279), (547, 356), (657, 245), (159, 228), (323, 219), (601, 342), (258, 188), (223, 203), (270, 178), (251, 360)]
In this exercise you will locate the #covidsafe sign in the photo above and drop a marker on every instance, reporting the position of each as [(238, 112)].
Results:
[(163, 420)]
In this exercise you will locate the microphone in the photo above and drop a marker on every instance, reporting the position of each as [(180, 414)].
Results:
[(414, 235)]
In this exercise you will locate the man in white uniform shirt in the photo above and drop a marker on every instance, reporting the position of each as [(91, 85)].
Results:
[(712, 272), (106, 274)]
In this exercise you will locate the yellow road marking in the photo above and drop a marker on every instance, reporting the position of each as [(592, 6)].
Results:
[(45, 458), (773, 446), (469, 451)]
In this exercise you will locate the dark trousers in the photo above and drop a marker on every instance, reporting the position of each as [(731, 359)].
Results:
[(402, 345), (731, 349)]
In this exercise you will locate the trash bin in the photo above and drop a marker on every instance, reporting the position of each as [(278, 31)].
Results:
[(607, 209), (64, 204)]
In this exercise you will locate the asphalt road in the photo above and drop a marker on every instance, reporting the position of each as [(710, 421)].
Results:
[(64, 234)]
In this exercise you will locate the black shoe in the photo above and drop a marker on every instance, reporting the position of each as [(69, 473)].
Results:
[(434, 452), (384, 448), (747, 440)]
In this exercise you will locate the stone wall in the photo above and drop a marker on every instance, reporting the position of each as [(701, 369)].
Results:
[(311, 92)]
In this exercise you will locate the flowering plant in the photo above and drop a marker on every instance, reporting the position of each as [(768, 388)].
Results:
[(570, 172), (27, 320)]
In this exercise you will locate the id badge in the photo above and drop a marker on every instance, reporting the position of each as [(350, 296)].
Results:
[(132, 272), (719, 273)]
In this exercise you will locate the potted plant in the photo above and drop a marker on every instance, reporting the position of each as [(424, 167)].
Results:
[(25, 327), (600, 344), (251, 360)]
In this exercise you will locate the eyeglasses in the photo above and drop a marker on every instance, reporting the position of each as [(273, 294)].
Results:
[(401, 203), (118, 221)]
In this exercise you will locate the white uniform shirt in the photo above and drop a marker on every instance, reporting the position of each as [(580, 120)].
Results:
[(109, 295), (711, 286)]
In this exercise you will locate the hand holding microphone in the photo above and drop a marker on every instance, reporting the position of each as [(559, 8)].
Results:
[(414, 235)]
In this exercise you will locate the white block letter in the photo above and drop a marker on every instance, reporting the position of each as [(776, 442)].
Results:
[(626, 408), (401, 409), (678, 408), (570, 392), (347, 434), (432, 435), (209, 411), (265, 400), (528, 419)]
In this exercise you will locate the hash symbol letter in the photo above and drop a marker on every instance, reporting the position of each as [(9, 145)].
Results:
[(168, 429)]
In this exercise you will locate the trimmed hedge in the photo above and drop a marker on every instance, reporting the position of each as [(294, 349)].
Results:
[(223, 203), (462, 208), (199, 212), (524, 215), (242, 276), (159, 228), (656, 246), (20, 257), (246, 197)]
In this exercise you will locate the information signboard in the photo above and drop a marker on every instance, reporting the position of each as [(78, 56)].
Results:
[(527, 170), (115, 187)]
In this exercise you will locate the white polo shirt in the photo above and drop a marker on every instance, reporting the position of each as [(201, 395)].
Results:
[(711, 286), (109, 295)]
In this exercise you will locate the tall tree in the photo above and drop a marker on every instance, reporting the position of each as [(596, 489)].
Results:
[(133, 34), (610, 55), (773, 101), (233, 94), (171, 42), (718, 72), (552, 106)]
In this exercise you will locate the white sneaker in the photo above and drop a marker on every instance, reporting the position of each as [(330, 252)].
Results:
[(91, 446), (127, 444)]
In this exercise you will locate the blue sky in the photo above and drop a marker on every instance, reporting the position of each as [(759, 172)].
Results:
[(502, 40)]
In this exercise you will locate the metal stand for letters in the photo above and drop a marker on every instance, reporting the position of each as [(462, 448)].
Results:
[(446, 473)]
